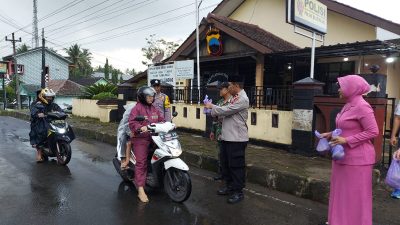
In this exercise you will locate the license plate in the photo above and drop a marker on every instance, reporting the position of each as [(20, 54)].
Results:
[(169, 136)]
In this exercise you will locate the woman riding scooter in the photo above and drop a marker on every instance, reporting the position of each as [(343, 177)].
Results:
[(142, 139), (38, 133)]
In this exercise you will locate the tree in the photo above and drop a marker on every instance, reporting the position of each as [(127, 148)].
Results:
[(106, 70), (156, 47), (131, 72), (99, 69), (96, 89), (121, 80), (114, 76), (81, 61), (23, 48)]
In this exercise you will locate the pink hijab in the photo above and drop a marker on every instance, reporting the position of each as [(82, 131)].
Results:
[(353, 87)]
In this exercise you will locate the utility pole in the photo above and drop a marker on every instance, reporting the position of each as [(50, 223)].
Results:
[(35, 32), (15, 69), (43, 82), (198, 47)]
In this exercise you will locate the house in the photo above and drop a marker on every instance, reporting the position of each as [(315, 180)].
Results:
[(66, 91), (125, 77), (32, 61)]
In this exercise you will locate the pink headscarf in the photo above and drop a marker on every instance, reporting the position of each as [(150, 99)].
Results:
[(353, 86)]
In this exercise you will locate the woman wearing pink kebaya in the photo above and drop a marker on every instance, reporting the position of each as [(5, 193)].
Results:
[(350, 199)]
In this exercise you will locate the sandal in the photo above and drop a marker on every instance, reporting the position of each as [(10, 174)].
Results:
[(40, 160)]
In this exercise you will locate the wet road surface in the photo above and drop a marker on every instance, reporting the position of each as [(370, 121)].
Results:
[(89, 191)]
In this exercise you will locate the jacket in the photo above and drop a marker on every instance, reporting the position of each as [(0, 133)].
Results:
[(234, 126), (357, 121), (163, 105), (151, 114)]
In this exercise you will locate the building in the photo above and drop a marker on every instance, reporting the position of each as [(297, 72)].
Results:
[(32, 61), (89, 81), (252, 40)]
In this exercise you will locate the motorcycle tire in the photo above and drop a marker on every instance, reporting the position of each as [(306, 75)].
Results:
[(177, 185), (64, 156)]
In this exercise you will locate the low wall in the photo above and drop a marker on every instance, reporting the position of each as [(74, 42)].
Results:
[(89, 108), (267, 125), (190, 121)]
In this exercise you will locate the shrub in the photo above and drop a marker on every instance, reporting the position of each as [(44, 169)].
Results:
[(91, 91), (104, 95)]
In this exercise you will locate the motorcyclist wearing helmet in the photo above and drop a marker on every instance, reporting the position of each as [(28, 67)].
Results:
[(142, 140), (39, 126)]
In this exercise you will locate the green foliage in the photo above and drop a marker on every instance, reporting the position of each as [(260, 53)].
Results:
[(114, 76), (81, 61), (10, 93), (104, 95), (156, 47), (121, 80), (96, 89), (23, 48), (131, 72)]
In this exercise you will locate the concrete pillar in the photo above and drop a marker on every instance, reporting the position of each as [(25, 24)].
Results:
[(303, 114), (259, 79)]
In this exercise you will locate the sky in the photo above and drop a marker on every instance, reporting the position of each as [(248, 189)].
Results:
[(117, 28)]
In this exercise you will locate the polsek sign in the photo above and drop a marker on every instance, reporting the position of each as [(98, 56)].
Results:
[(165, 73), (310, 14)]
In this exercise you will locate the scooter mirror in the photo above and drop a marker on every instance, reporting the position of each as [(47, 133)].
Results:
[(174, 114), (139, 118)]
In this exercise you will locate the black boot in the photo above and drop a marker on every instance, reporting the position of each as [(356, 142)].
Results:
[(224, 191), (235, 197)]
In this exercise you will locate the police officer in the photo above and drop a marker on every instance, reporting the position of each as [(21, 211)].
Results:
[(234, 141), (161, 101)]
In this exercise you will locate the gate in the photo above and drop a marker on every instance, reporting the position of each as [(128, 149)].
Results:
[(387, 148)]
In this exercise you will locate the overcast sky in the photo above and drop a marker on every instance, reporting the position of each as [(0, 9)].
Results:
[(118, 28)]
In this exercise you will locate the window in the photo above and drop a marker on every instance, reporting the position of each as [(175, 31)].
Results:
[(329, 72), (197, 113), (185, 112), (275, 120), (253, 118)]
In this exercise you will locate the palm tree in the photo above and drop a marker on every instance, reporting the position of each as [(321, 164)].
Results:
[(23, 48), (81, 61)]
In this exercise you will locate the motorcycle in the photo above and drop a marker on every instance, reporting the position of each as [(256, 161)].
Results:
[(166, 169), (59, 137)]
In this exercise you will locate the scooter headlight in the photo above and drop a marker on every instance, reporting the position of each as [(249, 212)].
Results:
[(61, 130)]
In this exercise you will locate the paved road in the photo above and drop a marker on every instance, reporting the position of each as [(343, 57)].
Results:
[(89, 191)]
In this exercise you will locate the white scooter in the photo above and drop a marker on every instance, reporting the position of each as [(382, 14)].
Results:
[(166, 168)]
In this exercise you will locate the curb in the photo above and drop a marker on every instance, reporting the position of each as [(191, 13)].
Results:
[(304, 187)]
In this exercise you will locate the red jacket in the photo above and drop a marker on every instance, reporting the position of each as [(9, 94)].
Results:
[(151, 114)]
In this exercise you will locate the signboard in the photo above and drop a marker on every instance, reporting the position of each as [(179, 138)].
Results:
[(3, 68), (165, 73), (184, 69), (310, 14)]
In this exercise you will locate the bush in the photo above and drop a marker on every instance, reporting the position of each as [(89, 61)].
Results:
[(104, 95), (96, 89)]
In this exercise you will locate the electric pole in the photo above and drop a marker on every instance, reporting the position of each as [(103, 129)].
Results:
[(15, 69), (43, 82)]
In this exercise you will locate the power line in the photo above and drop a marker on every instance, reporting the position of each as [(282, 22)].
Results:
[(79, 21)]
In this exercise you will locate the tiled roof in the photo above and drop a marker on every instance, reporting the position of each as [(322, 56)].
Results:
[(256, 34), (65, 87), (87, 81)]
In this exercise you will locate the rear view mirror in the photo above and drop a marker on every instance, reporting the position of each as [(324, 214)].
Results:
[(69, 107), (174, 114)]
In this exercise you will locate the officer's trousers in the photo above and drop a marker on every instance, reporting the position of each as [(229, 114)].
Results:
[(233, 164)]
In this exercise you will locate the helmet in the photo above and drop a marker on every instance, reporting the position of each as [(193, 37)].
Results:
[(46, 92), (143, 92)]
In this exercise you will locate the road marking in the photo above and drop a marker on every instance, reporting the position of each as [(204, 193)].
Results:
[(255, 192)]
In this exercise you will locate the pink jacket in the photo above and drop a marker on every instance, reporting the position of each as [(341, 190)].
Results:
[(357, 121), (151, 114)]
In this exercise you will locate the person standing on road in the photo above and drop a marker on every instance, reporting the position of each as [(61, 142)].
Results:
[(141, 139), (394, 142), (216, 129), (161, 101), (234, 138), (350, 199)]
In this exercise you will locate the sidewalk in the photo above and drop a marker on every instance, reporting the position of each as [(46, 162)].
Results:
[(276, 169)]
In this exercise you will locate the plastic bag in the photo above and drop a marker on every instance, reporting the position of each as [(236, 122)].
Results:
[(206, 101), (337, 150), (323, 144), (393, 175)]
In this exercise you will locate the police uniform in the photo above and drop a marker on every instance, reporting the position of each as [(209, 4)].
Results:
[(162, 102)]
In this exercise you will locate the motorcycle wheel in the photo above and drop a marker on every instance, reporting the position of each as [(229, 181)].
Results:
[(64, 156), (177, 185)]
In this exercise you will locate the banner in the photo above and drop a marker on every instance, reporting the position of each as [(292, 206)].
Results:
[(184, 69), (165, 73), (310, 14)]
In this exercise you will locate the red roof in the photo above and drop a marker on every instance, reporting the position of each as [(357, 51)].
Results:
[(65, 87)]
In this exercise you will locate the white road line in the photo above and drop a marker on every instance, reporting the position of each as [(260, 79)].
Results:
[(254, 192)]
